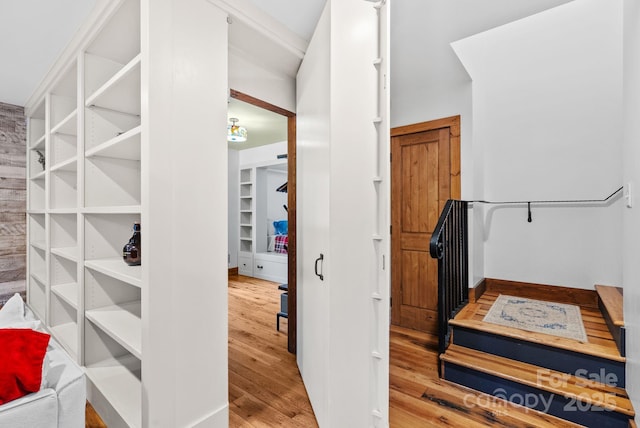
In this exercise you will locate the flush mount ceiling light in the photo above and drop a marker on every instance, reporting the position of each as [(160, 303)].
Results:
[(235, 133)]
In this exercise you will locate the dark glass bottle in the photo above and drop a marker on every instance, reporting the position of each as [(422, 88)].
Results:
[(131, 251)]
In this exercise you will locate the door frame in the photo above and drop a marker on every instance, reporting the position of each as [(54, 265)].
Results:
[(453, 123), (292, 320)]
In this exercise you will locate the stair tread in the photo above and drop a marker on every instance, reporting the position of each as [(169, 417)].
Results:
[(600, 344), (584, 390), (612, 299)]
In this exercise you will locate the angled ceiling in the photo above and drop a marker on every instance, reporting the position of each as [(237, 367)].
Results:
[(33, 34)]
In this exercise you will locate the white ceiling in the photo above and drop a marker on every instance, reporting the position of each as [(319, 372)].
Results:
[(34, 33)]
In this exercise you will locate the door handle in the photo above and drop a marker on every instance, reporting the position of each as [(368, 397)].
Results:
[(319, 259)]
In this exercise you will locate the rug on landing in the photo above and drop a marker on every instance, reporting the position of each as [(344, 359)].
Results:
[(557, 319)]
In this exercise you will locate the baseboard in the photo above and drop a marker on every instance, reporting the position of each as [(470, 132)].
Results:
[(573, 296), (218, 418), (233, 271), (476, 292)]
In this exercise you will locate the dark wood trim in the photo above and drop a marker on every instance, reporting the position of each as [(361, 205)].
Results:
[(259, 103), (292, 324), (573, 296), (292, 223), (476, 292), (233, 271)]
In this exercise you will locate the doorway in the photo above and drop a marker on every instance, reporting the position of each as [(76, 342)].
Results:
[(290, 210), (425, 173)]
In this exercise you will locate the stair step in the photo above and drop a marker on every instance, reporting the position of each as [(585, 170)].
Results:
[(471, 317), (610, 301), (611, 298), (586, 391)]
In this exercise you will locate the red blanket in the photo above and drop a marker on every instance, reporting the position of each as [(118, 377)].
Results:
[(21, 354)]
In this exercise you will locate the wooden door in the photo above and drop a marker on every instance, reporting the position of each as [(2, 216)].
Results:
[(424, 174)]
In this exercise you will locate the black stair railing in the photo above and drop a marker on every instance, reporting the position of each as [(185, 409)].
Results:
[(450, 245)]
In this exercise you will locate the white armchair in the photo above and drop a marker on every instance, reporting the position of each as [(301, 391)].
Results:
[(59, 403)]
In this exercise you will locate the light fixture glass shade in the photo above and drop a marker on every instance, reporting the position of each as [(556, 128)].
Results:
[(235, 133)]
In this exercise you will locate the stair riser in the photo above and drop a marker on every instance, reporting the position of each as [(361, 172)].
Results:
[(617, 332), (534, 398), (552, 358)]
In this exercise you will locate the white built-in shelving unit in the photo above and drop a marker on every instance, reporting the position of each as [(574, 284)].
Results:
[(82, 207), (124, 120), (247, 216), (254, 259)]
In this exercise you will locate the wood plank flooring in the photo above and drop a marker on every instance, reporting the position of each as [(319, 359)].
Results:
[(418, 398), (265, 387)]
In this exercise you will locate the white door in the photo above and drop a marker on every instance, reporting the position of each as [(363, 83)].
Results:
[(343, 317), (313, 166)]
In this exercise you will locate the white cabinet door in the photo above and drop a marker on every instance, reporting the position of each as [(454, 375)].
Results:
[(313, 157), (341, 331)]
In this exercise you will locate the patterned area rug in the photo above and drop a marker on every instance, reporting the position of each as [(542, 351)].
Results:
[(557, 319)]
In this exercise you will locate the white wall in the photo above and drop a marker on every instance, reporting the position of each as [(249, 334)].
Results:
[(631, 216), (547, 94), (275, 200), (429, 82), (251, 79), (262, 154), (234, 206)]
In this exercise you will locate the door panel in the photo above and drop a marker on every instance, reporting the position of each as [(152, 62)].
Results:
[(313, 161), (421, 184)]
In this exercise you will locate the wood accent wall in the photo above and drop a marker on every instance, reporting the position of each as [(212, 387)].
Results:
[(13, 193)]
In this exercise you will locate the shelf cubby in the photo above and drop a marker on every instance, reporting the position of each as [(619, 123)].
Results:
[(245, 231), (37, 232), (245, 205), (114, 306), (64, 279), (36, 171), (64, 230), (245, 190), (245, 175), (246, 245), (118, 41), (105, 235), (103, 126), (115, 372), (64, 100), (63, 148), (112, 182), (37, 299), (36, 194), (124, 146), (64, 324), (37, 263), (245, 218), (37, 127), (64, 189), (121, 93)]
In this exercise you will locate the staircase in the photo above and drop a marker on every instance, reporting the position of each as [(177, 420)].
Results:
[(579, 382)]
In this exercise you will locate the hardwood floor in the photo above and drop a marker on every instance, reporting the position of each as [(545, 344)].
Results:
[(265, 387), (266, 390), (419, 398), (92, 419)]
